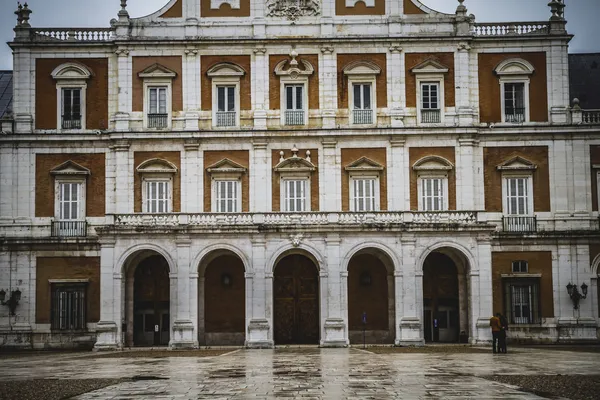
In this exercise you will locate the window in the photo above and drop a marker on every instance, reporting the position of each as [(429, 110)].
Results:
[(226, 176), (518, 196), (294, 104), (71, 85), (364, 197), (158, 82), (429, 76), (433, 192), (70, 199), (225, 78), (227, 196), (514, 77), (520, 266), (521, 298), (68, 306), (158, 196), (362, 77), (295, 195), (71, 108), (157, 108), (430, 106), (70, 181), (226, 106)]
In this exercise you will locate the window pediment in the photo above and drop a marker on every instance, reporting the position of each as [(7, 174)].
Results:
[(70, 168), (295, 163), (226, 166), (292, 68), (433, 163), (362, 68), (227, 70), (514, 66), (429, 66), (156, 166), (71, 71), (517, 163), (157, 71), (364, 164)]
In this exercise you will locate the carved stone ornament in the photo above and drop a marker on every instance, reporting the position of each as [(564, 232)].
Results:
[(296, 239), (293, 9)]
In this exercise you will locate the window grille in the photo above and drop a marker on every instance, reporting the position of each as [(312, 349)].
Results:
[(514, 102), (71, 108), (68, 308), (363, 110), (522, 303), (430, 106), (157, 110)]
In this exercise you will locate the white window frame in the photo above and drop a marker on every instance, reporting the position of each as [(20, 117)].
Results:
[(145, 195), (71, 75), (519, 263), (360, 72), (225, 74), (429, 79), (157, 83), (422, 176), (60, 180), (215, 199), (284, 200), (503, 82), (529, 188), (298, 81), (60, 87), (514, 70), (376, 191)]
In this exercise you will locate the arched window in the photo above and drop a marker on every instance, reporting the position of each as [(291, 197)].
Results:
[(514, 75), (432, 182), (71, 86)]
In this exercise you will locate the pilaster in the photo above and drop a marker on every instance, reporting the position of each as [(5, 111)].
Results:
[(260, 178), (192, 175), (410, 320), (260, 87), (124, 82), (481, 302), (183, 327), (328, 86), (109, 334), (260, 319), (397, 175), (465, 112), (23, 90), (191, 94), (124, 170), (465, 174), (396, 85), (334, 285), (330, 178)]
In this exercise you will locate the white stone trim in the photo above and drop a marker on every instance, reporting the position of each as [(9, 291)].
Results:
[(283, 204), (512, 175), (364, 175), (157, 177), (368, 3), (216, 4), (81, 181)]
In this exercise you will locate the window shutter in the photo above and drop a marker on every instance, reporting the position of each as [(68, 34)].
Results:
[(366, 96)]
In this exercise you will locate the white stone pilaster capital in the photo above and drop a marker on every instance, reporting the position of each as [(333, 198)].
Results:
[(121, 145), (333, 239), (397, 142), (258, 242), (249, 275), (107, 242), (121, 52), (395, 48), (259, 145), (193, 275), (327, 50), (183, 241), (191, 145), (117, 276), (468, 142), (269, 275), (191, 52), (344, 274), (323, 274), (260, 51), (398, 274), (329, 143), (463, 46)]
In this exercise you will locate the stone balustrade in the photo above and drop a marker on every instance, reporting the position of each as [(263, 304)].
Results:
[(511, 28), (590, 117), (72, 34), (296, 219)]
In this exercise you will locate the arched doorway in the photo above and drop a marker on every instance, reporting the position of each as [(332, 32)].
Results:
[(222, 300), (445, 300), (148, 301), (371, 302), (296, 301)]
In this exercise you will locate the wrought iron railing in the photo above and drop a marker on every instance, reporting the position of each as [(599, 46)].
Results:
[(226, 118), (158, 120), (430, 116), (294, 117), (519, 224), (69, 229), (362, 117), (72, 121), (514, 115), (511, 28)]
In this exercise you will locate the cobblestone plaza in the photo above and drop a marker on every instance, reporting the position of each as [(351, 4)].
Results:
[(305, 373)]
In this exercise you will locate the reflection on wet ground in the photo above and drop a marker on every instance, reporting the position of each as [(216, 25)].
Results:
[(304, 373)]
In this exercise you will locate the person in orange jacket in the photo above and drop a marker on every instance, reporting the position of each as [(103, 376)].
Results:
[(496, 328)]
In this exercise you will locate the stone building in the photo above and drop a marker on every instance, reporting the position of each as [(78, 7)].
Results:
[(296, 172)]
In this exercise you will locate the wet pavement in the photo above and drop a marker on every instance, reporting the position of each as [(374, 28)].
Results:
[(306, 373)]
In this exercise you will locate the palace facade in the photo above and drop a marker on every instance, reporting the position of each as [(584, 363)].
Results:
[(263, 173)]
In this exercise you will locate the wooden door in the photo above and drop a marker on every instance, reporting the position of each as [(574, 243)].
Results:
[(151, 302), (296, 301)]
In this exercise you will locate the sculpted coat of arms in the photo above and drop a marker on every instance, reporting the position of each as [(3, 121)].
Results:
[(293, 9)]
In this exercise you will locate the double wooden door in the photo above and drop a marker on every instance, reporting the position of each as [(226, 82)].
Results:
[(296, 301)]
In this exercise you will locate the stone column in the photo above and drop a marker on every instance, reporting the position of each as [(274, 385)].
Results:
[(465, 174), (335, 332), (330, 177), (581, 177), (462, 75), (124, 81), (260, 87), (481, 303), (411, 319), (192, 176), (183, 327), (328, 86), (191, 91), (260, 178), (23, 87), (108, 329), (259, 327), (399, 303), (124, 171), (396, 175), (396, 85)]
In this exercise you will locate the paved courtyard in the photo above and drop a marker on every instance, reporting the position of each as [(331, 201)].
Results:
[(302, 373)]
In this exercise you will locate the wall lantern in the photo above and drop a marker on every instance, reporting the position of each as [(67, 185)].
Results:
[(12, 302), (365, 279), (226, 280), (575, 295)]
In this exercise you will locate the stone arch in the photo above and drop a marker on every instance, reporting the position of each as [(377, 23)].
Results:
[(385, 250), (457, 251), (134, 252), (211, 252), (304, 249), (596, 266)]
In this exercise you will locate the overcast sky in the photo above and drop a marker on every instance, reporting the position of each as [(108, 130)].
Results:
[(581, 14)]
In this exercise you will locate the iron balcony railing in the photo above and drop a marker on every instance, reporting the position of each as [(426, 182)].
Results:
[(69, 229), (158, 120), (294, 117), (430, 116), (226, 118), (72, 121), (515, 115), (362, 117), (519, 224)]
